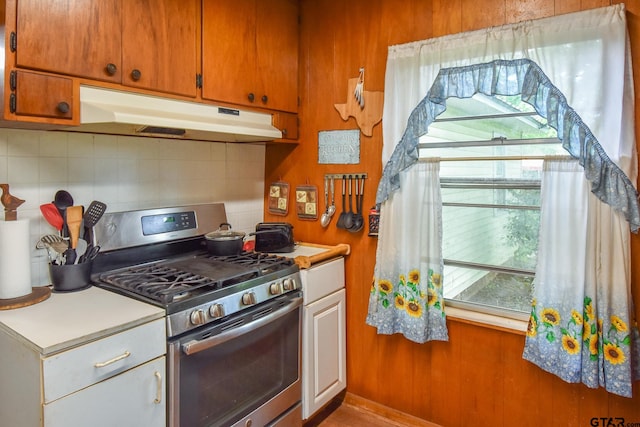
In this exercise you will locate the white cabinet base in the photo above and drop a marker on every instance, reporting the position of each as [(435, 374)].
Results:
[(132, 399), (324, 352)]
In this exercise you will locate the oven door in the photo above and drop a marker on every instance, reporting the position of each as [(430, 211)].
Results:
[(244, 368)]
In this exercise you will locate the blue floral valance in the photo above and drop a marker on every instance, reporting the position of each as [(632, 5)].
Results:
[(525, 78)]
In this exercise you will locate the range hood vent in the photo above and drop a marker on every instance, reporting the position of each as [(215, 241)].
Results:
[(116, 112)]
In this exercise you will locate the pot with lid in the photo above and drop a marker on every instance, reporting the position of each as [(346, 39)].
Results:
[(225, 242)]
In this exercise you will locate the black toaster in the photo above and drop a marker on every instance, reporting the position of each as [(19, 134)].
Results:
[(275, 237)]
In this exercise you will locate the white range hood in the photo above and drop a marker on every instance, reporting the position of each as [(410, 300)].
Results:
[(124, 113)]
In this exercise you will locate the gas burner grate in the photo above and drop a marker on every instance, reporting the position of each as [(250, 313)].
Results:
[(173, 280), (261, 262), (158, 282)]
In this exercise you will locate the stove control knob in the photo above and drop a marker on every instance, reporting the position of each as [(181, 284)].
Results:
[(275, 288), (197, 317), (249, 298), (290, 284), (216, 311)]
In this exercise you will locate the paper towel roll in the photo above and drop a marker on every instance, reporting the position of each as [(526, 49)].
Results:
[(15, 259)]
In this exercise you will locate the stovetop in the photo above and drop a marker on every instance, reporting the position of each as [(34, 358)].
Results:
[(158, 256), (183, 281)]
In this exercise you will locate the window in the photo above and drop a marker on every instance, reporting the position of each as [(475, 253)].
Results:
[(491, 151)]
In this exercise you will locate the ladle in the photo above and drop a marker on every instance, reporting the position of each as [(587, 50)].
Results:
[(62, 201), (358, 219), (343, 214), (348, 218)]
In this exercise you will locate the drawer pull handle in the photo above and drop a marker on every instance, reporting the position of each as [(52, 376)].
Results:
[(114, 360), (158, 398)]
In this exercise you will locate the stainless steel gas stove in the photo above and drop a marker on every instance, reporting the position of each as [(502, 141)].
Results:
[(233, 322)]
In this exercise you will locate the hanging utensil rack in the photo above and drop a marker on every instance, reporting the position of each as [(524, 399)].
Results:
[(345, 175)]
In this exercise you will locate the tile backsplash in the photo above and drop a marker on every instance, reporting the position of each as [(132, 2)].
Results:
[(128, 173)]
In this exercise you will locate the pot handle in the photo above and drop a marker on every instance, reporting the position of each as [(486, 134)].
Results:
[(224, 223)]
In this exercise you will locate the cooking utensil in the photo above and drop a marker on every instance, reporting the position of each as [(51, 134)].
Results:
[(62, 200), (58, 244), (343, 214), (358, 219), (52, 215), (90, 254), (332, 207), (91, 217), (74, 222), (326, 218), (224, 242), (348, 218), (81, 248)]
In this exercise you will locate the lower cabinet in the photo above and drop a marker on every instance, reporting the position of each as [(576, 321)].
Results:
[(116, 380), (133, 398), (324, 372)]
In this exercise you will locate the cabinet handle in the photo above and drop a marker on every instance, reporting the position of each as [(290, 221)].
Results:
[(136, 74), (158, 398), (111, 69), (265, 98), (63, 107), (114, 360), (251, 97)]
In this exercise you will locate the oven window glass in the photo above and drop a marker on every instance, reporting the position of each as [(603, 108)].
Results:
[(222, 384)]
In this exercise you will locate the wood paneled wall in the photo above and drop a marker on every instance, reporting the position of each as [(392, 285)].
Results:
[(477, 378)]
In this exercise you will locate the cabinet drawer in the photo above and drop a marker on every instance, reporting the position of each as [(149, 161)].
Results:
[(322, 279), (82, 366)]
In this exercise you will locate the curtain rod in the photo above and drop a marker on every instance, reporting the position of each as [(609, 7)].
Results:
[(493, 158), (487, 116), (489, 143)]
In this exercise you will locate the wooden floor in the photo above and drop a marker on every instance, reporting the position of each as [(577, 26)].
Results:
[(357, 412), (352, 416)]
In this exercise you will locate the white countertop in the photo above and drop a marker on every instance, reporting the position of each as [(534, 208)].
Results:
[(66, 320), (304, 251)]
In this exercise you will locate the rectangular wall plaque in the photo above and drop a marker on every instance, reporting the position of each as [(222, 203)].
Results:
[(339, 147)]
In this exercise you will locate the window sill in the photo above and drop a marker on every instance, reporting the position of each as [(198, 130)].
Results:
[(487, 320)]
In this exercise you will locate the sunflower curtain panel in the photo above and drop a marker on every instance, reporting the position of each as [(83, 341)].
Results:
[(581, 327), (406, 296)]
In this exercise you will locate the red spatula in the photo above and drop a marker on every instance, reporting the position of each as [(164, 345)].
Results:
[(52, 215)]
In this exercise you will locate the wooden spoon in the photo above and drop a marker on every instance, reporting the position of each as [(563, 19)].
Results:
[(74, 222)]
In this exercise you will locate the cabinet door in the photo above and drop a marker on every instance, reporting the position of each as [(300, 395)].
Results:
[(229, 51), (79, 38), (250, 53), (42, 96), (277, 53), (132, 399), (159, 45), (324, 372)]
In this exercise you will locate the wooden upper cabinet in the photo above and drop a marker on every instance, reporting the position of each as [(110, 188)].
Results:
[(42, 96), (250, 53), (159, 45), (78, 38), (149, 44)]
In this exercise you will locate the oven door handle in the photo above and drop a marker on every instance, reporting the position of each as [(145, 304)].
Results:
[(195, 346)]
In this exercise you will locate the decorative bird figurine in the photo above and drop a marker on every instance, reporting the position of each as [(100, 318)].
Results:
[(10, 203)]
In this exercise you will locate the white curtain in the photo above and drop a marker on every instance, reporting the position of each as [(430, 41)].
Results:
[(585, 54), (406, 295), (575, 70), (581, 326)]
